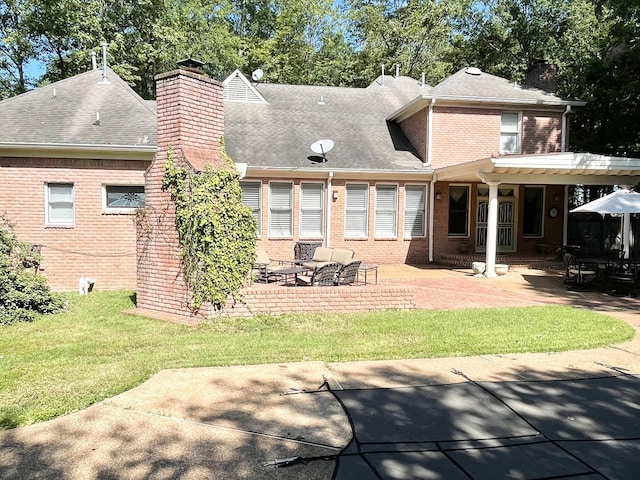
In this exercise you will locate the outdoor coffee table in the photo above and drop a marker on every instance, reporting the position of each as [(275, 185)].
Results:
[(293, 271)]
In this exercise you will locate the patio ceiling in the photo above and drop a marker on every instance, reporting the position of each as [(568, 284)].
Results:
[(548, 169)]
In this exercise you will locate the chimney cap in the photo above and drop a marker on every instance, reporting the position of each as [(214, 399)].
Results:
[(191, 64)]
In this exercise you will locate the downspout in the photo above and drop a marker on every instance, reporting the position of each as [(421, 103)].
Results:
[(329, 200), (432, 197), (429, 130), (563, 141)]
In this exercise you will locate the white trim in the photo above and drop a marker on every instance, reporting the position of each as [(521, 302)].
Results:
[(302, 235), (238, 74), (394, 236), (118, 210), (365, 236), (292, 205), (517, 133), (63, 150), (468, 228), (424, 211)]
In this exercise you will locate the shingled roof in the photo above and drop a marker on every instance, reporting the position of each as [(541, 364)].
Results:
[(65, 113), (278, 132)]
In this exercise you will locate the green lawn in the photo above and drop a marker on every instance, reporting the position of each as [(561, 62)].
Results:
[(65, 362)]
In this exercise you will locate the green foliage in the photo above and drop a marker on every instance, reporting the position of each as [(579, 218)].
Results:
[(23, 293), (216, 231)]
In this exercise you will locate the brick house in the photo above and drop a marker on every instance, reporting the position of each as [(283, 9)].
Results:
[(476, 164)]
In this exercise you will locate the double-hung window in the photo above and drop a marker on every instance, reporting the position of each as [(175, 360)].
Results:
[(386, 211), (458, 211), (311, 210), (356, 218), (510, 133), (414, 211), (60, 204), (252, 198), (280, 210)]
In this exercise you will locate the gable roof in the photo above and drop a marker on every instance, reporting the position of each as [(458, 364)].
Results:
[(278, 134), (65, 114), (471, 86)]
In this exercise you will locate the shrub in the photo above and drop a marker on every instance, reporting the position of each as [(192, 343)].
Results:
[(23, 293)]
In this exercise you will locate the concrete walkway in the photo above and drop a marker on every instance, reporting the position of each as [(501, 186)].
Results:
[(225, 422)]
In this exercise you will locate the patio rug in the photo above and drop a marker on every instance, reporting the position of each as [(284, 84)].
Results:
[(584, 428)]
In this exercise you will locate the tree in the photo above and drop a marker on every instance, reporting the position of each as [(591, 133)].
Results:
[(412, 33), (17, 46), (23, 293)]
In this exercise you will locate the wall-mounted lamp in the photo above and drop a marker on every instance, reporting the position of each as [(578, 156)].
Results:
[(438, 196), (335, 194)]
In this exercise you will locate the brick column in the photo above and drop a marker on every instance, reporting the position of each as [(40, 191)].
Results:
[(190, 119)]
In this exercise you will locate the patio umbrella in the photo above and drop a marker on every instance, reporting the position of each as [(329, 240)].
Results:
[(621, 202)]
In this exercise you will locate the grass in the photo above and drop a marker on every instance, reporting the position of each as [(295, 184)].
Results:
[(65, 362)]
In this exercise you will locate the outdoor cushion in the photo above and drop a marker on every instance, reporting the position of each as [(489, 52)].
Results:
[(341, 255), (322, 254)]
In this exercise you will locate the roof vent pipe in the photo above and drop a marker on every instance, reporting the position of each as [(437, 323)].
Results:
[(94, 62), (397, 71), (104, 63), (382, 77), (423, 81)]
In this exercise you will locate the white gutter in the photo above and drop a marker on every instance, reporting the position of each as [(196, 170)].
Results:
[(432, 197), (67, 150), (329, 200), (563, 141), (429, 131)]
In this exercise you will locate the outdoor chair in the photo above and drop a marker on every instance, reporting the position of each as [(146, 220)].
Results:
[(324, 255), (323, 276), (267, 267), (348, 274), (578, 275)]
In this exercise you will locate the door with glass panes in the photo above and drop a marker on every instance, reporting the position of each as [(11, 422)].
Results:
[(507, 203)]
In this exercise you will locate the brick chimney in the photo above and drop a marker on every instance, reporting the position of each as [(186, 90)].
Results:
[(543, 76), (190, 119)]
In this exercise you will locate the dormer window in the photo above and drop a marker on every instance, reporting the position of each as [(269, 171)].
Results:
[(510, 133)]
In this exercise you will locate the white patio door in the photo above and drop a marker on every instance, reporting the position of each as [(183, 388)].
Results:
[(506, 220)]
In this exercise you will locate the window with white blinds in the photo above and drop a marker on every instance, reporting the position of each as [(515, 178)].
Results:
[(281, 210), (510, 133), (252, 198), (311, 210), (414, 211), (356, 211), (60, 203), (386, 211)]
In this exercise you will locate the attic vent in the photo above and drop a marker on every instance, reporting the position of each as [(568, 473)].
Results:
[(473, 71), (236, 90)]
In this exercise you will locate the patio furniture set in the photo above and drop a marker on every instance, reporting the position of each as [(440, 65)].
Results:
[(327, 267), (614, 274)]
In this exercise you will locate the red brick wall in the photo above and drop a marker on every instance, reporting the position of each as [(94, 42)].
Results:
[(464, 134), (415, 128), (368, 250), (190, 120), (541, 132), (100, 244), (345, 299)]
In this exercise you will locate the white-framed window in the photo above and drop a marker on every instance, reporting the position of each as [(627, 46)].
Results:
[(533, 211), (414, 211), (311, 210), (356, 217), (458, 211), (252, 198), (281, 209), (386, 222), (510, 133), (122, 198), (60, 203)]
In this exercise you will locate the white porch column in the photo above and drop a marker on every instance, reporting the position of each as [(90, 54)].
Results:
[(626, 234), (492, 230)]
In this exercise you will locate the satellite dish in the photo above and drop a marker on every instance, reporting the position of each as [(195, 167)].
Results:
[(322, 147), (257, 75)]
